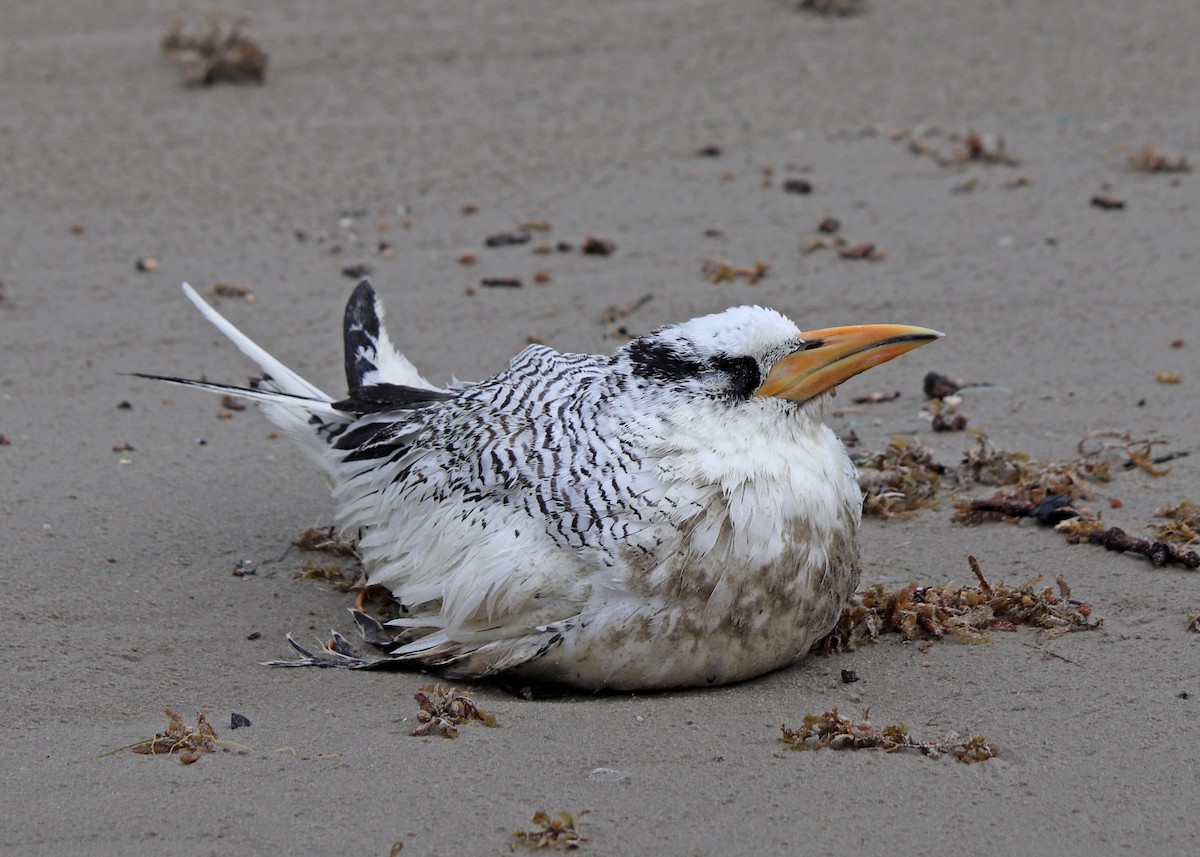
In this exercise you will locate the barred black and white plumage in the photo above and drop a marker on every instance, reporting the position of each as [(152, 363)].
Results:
[(674, 514)]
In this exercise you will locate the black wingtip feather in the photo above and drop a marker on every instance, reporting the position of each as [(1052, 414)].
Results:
[(361, 331)]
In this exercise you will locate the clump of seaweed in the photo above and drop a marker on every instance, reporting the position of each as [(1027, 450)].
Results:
[(965, 613), (724, 272), (1150, 160), (837, 732), (1183, 526), (444, 709), (900, 480), (189, 744), (334, 575), (326, 539), (553, 831), (214, 53), (988, 465), (1105, 448)]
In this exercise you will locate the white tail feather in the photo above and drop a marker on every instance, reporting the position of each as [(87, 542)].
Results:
[(285, 380)]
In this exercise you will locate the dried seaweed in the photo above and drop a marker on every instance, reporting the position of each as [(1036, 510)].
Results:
[(334, 575), (189, 744), (1108, 447), (1184, 524), (900, 480), (326, 539), (837, 732), (987, 465), (975, 148), (444, 709), (1194, 622), (556, 831), (1150, 160), (231, 290), (214, 53), (724, 272), (978, 149), (965, 613)]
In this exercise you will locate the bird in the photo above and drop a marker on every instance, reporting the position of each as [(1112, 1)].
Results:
[(675, 514)]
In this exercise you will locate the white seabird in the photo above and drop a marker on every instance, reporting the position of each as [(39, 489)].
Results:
[(675, 514)]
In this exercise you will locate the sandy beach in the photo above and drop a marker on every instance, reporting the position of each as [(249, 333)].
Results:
[(392, 138)]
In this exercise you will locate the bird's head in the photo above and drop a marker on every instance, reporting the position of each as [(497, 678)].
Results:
[(748, 352)]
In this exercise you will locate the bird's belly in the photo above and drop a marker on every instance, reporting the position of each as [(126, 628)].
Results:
[(770, 620)]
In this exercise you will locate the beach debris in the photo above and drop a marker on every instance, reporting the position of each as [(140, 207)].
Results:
[(974, 148), (1160, 553), (1150, 160), (508, 239), (1105, 447), (795, 185), (1105, 202), (709, 152), (944, 422), (1184, 524), (829, 236), (1194, 622), (542, 275), (231, 290), (146, 265), (552, 831), (1019, 180), (850, 676), (1167, 377), (593, 246), (326, 539), (938, 386), (356, 270), (467, 257), (876, 398), (189, 744), (615, 312), (723, 272), (980, 149), (334, 575), (965, 613), (444, 709), (833, 8), (238, 721), (233, 403), (501, 282), (899, 480), (1035, 479), (866, 250), (838, 732), (214, 53)]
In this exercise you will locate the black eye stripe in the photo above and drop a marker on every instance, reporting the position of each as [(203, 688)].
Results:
[(743, 372)]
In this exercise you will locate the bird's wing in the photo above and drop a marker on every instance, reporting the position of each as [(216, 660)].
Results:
[(486, 510)]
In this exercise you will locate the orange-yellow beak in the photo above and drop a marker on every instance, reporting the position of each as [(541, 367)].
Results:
[(830, 356)]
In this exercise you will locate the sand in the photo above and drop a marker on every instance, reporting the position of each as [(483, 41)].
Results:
[(379, 122)]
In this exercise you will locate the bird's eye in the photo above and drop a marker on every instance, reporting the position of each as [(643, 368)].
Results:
[(742, 373)]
